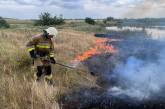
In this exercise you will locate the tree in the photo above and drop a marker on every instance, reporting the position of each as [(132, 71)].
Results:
[(105, 21), (89, 20), (109, 18), (46, 19), (3, 23)]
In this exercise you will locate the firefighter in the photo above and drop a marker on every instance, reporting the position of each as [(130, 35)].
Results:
[(41, 49)]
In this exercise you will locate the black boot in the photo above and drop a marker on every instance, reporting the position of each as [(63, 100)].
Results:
[(48, 75), (39, 73)]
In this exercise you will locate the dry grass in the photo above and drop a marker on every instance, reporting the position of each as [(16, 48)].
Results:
[(24, 94), (71, 43), (18, 90), (16, 21)]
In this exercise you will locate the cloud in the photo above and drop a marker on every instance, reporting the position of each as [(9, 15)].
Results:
[(127, 8), (105, 9), (84, 8), (147, 8), (68, 4), (59, 3)]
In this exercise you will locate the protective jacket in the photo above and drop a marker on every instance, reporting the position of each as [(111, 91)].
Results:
[(41, 49)]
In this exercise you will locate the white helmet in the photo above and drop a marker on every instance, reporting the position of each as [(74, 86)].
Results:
[(52, 31)]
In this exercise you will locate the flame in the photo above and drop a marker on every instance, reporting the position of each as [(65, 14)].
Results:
[(99, 48)]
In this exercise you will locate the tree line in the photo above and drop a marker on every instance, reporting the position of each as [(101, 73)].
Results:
[(46, 19)]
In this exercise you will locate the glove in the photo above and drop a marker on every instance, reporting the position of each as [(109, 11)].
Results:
[(52, 60), (33, 54)]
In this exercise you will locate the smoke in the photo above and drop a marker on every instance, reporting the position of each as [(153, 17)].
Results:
[(140, 72), (141, 78), (131, 79), (146, 8)]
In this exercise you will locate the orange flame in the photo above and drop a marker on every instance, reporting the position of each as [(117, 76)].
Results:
[(100, 47)]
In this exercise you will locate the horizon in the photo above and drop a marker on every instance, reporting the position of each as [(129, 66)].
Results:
[(90, 17)]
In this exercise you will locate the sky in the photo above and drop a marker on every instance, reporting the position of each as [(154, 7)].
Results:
[(31, 9)]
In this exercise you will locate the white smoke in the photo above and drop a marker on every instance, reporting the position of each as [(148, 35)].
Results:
[(141, 78), (155, 33), (146, 8)]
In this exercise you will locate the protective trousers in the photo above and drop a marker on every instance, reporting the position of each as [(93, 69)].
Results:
[(44, 71)]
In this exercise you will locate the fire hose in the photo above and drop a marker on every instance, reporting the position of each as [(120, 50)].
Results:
[(80, 70)]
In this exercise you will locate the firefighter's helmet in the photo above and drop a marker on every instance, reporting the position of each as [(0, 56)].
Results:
[(52, 31)]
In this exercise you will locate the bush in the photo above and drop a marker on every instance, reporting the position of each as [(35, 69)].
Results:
[(110, 19), (45, 19), (89, 20), (3, 23)]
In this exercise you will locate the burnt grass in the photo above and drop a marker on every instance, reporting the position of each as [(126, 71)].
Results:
[(94, 98), (100, 98)]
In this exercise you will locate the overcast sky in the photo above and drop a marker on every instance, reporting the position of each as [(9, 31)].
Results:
[(30, 9)]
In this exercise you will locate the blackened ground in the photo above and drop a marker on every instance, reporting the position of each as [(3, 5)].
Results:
[(97, 99), (134, 44)]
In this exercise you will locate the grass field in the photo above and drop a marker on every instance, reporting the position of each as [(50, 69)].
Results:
[(17, 86), (78, 25)]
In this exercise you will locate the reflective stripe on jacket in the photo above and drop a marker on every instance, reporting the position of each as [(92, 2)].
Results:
[(41, 45)]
